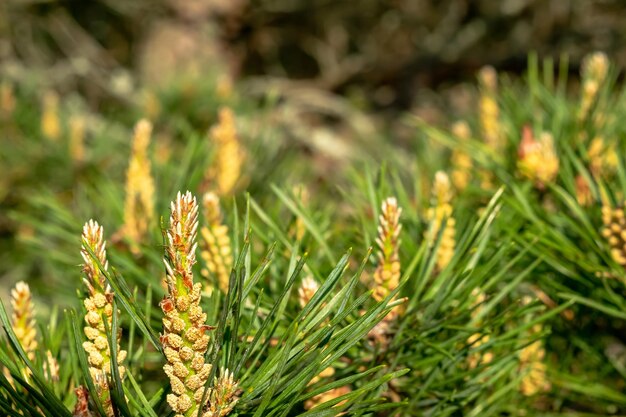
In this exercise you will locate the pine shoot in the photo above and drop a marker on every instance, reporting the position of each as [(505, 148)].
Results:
[(216, 247), (99, 304)]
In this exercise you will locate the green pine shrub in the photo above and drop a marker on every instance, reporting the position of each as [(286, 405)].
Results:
[(481, 277)]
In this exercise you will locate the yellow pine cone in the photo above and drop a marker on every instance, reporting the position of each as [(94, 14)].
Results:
[(477, 339), (327, 396), (222, 396), (594, 69), (487, 179), (298, 228), (151, 104), (224, 86), (537, 159), (81, 408), (614, 231), (478, 358), (583, 191), (23, 318), (326, 373), (139, 203), (184, 336), (489, 110), (533, 368), (442, 192), (7, 100), (387, 273), (441, 211), (461, 161), (99, 304), (51, 370), (603, 160), (216, 246), (77, 138), (225, 172), (50, 123), (595, 66), (307, 290), (479, 299), (447, 244)]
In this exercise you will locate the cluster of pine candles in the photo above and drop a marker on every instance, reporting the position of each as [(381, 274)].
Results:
[(196, 227), (186, 334)]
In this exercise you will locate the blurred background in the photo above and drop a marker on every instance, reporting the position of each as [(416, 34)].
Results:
[(382, 55)]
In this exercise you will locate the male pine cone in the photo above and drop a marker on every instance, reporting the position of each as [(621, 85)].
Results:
[(98, 304), (184, 338), (614, 231), (387, 273), (440, 212), (23, 319), (216, 247)]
